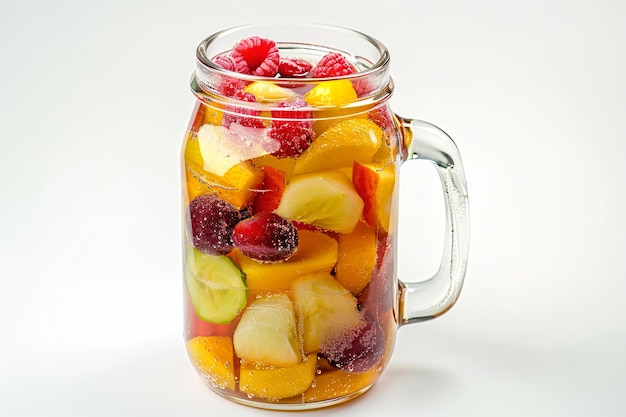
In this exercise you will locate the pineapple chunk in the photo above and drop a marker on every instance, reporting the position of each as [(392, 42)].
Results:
[(326, 308), (324, 199), (267, 91), (267, 333), (236, 185)]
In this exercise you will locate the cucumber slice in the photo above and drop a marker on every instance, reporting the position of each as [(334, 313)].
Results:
[(216, 286)]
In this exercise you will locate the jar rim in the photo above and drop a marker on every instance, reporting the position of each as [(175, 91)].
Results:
[(380, 63)]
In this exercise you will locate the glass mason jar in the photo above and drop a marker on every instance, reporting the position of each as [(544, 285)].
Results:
[(290, 177)]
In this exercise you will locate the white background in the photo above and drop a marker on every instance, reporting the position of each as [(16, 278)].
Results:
[(94, 100)]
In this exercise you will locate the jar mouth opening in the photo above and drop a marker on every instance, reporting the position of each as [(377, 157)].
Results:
[(294, 40), (205, 52)]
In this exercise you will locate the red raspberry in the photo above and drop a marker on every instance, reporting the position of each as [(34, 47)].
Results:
[(332, 64), (225, 61), (294, 136), (256, 56), (294, 67), (230, 87), (243, 116)]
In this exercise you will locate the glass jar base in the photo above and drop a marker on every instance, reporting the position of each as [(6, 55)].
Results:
[(291, 404)]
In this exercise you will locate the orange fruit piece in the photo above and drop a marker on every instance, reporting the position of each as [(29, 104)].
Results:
[(332, 99), (277, 383), (336, 384), (213, 115), (316, 252), (213, 357), (356, 258), (340, 145)]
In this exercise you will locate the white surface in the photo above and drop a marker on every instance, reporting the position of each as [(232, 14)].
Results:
[(94, 101)]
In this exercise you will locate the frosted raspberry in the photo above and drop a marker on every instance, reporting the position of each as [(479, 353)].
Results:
[(332, 64), (225, 61), (230, 87), (362, 87), (241, 115), (294, 67), (294, 136), (256, 56)]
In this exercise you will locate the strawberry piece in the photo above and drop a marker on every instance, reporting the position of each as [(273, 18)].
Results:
[(294, 68), (273, 187), (266, 237), (332, 64), (294, 136), (241, 115), (256, 56)]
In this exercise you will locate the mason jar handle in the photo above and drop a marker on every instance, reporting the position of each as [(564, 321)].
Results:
[(424, 300)]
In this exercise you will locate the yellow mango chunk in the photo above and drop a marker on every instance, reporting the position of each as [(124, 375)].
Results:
[(213, 357), (316, 252), (277, 383), (356, 258), (221, 149), (340, 145), (331, 93), (283, 164), (332, 98), (213, 115), (336, 384)]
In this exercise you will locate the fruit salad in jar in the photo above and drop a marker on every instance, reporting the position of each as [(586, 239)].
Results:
[(288, 195)]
